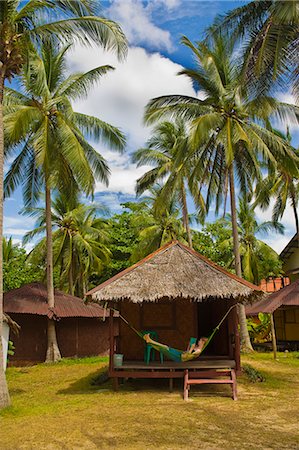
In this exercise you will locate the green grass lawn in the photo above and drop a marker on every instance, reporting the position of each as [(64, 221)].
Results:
[(56, 407)]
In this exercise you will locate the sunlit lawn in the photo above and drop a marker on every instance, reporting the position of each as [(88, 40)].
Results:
[(56, 407)]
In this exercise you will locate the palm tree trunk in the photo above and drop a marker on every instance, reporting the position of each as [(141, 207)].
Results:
[(53, 353), (4, 395), (186, 216), (245, 339)]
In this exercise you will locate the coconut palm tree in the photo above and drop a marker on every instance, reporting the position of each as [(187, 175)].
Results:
[(167, 149), (54, 150), (156, 226), (281, 185), (79, 240), (252, 249), (227, 135), (270, 29), (23, 24)]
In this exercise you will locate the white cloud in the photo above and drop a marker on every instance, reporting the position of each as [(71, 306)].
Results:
[(136, 21), (17, 226), (120, 100)]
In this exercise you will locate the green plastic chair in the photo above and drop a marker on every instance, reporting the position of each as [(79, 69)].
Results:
[(148, 354)]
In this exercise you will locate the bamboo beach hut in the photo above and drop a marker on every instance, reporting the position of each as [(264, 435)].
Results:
[(178, 294)]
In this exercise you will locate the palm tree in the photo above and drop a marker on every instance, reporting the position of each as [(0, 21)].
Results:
[(167, 149), (80, 240), (227, 135), (252, 250), (55, 152), (282, 185), (9, 249), (270, 30), (156, 226), (23, 24)]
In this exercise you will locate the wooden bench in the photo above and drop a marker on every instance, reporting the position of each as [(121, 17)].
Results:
[(210, 377)]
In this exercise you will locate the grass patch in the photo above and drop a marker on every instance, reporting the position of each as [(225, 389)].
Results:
[(252, 374), (58, 406)]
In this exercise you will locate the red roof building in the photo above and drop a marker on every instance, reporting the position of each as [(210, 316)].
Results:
[(81, 330)]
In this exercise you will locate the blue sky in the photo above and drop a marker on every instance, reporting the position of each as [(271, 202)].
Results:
[(154, 29)]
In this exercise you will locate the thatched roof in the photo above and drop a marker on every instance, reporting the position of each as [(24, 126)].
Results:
[(288, 296), (174, 271), (32, 299), (11, 323)]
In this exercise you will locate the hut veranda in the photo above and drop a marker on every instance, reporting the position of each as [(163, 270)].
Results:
[(178, 294)]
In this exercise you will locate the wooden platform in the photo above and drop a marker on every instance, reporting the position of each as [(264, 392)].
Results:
[(170, 365), (202, 371)]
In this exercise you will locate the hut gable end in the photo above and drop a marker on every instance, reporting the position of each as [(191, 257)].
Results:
[(174, 271)]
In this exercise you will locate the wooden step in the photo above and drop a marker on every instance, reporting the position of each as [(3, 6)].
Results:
[(208, 381)]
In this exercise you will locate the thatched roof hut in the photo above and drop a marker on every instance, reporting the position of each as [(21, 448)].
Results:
[(80, 328), (176, 293), (175, 271)]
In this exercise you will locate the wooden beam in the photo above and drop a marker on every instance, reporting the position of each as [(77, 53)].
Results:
[(111, 341), (274, 344)]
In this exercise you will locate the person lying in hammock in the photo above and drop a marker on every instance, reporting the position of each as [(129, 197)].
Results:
[(177, 355)]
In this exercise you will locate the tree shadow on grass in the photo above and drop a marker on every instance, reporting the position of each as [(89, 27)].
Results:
[(99, 381), (89, 384)]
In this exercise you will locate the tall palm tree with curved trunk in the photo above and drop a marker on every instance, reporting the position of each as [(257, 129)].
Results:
[(227, 136), (270, 31), (55, 153), (167, 149), (80, 240), (23, 24)]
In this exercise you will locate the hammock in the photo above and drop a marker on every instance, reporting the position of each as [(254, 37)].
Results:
[(173, 353)]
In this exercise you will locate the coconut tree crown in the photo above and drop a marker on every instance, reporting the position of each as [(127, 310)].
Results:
[(49, 137)]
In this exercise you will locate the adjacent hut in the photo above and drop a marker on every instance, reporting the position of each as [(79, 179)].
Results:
[(179, 294), (283, 305), (81, 330)]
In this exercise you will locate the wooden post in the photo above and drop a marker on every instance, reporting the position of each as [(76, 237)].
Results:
[(111, 340), (274, 345), (237, 355)]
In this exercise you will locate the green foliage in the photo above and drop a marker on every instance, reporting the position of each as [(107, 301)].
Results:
[(11, 348), (17, 270), (123, 238), (268, 31), (259, 328), (209, 242), (253, 374)]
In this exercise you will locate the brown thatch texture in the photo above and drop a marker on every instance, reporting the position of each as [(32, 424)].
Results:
[(32, 299), (11, 323), (174, 271), (288, 296)]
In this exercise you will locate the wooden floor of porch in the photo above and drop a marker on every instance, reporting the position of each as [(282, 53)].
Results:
[(211, 363)]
